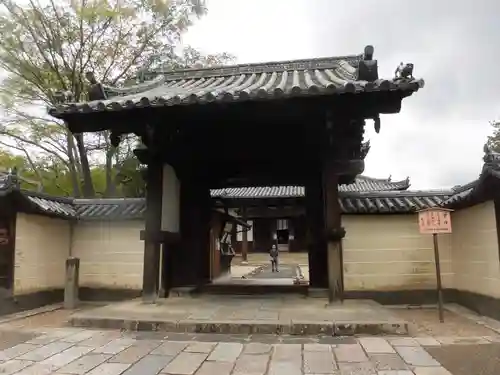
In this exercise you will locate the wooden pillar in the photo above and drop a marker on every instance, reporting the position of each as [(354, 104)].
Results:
[(316, 247), (244, 238), (191, 262), (152, 239), (334, 233)]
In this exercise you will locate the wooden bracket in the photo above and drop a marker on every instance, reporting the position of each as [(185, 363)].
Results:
[(162, 236), (335, 234)]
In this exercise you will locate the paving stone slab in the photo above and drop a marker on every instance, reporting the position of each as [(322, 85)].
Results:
[(283, 368), (416, 356), (37, 369), (200, 347), (287, 352), (388, 362), (216, 368), (45, 351), (132, 354), (226, 352), (403, 341), (17, 351), (319, 363), (251, 364), (376, 345), (84, 364), (257, 348), (115, 346), (67, 356), (350, 353), (170, 348), (364, 368), (149, 365), (14, 365), (185, 363), (109, 369), (317, 348)]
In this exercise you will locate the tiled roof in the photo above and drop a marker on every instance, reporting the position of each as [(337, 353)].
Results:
[(390, 201), (51, 205), (110, 209), (274, 80), (361, 184), (484, 188)]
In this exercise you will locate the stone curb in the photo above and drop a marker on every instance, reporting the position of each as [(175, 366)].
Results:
[(29, 313), (247, 327)]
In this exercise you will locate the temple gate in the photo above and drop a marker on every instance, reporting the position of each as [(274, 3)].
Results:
[(235, 126)]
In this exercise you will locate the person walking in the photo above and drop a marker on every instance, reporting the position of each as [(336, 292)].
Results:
[(274, 253)]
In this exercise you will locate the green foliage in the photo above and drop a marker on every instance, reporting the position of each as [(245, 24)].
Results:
[(494, 139), (48, 46)]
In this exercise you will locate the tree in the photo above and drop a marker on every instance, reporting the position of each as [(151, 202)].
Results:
[(48, 47), (494, 139)]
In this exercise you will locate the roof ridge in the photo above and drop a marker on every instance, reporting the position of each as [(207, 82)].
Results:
[(353, 58), (82, 201)]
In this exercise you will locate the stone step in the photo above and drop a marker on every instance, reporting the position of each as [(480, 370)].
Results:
[(298, 328), (253, 289)]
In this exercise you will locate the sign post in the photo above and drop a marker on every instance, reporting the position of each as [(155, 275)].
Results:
[(434, 221)]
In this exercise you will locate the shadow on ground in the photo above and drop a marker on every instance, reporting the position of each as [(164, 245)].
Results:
[(468, 359)]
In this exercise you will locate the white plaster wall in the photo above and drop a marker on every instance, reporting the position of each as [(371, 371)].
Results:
[(387, 252), (239, 233), (170, 200), (111, 254), (475, 256), (42, 247)]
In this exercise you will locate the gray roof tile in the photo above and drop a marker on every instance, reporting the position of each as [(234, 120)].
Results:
[(390, 201), (361, 184), (51, 205), (336, 75), (110, 209)]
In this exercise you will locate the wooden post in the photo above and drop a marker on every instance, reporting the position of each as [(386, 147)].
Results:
[(438, 277), (71, 285), (334, 233), (244, 238), (315, 228), (152, 244)]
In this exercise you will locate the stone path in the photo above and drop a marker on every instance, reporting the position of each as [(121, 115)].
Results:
[(78, 352), (286, 271)]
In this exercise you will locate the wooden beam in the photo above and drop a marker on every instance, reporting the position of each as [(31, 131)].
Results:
[(161, 236)]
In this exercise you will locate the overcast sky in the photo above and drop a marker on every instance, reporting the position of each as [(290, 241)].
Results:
[(438, 137)]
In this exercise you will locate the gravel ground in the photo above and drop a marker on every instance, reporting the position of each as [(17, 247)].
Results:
[(426, 323), (468, 359)]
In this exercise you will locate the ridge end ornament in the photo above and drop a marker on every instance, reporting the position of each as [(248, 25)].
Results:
[(404, 71), (368, 67), (95, 90), (376, 123)]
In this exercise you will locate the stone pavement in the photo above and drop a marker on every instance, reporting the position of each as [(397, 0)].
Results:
[(79, 351), (245, 314), (286, 271)]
